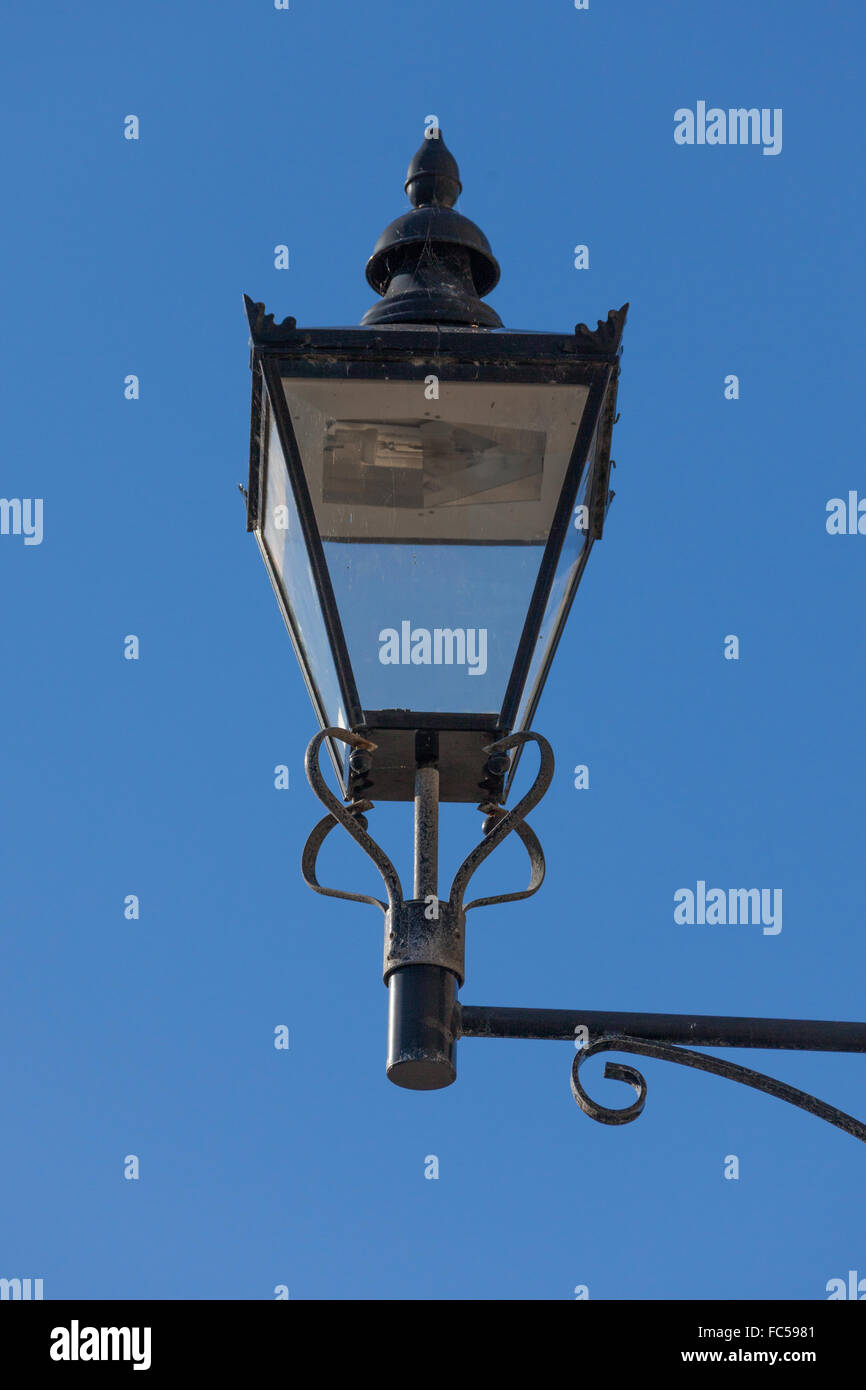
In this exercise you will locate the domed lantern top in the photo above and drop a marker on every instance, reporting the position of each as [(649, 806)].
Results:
[(432, 265)]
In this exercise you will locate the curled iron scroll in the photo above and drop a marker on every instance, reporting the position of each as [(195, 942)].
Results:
[(348, 818), (719, 1066), (536, 867), (511, 820), (315, 840)]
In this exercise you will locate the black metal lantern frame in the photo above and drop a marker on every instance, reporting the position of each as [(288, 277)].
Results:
[(585, 359), (431, 266)]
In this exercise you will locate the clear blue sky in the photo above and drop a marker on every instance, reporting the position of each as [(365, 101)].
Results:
[(155, 1037)]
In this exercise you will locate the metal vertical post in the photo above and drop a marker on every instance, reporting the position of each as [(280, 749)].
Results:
[(426, 830), (421, 998)]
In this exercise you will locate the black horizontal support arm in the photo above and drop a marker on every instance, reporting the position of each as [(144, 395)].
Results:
[(661, 1036), (689, 1030)]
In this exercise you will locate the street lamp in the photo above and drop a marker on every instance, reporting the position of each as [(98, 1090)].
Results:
[(426, 490)]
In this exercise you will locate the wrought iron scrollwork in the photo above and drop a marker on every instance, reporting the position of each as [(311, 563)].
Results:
[(667, 1052), (352, 819), (499, 824), (506, 821)]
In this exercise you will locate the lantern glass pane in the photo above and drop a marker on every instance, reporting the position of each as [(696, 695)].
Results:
[(433, 514), (292, 577), (572, 557)]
